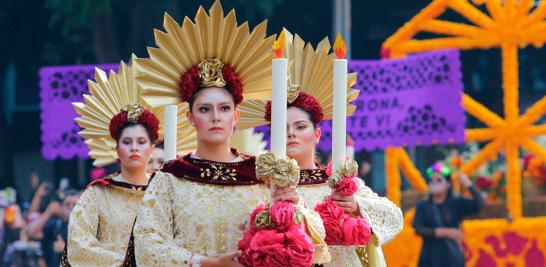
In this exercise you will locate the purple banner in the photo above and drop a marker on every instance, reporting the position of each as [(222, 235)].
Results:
[(411, 101), (403, 102), (59, 87)]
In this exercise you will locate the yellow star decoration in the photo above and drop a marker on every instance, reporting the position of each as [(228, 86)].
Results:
[(508, 25)]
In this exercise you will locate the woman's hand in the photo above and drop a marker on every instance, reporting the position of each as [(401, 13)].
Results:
[(287, 193), (347, 203), (54, 209), (465, 181), (451, 233), (224, 260), (42, 189), (59, 244)]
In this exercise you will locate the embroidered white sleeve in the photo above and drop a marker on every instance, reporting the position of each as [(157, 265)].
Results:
[(384, 217), (83, 247), (196, 261), (155, 243)]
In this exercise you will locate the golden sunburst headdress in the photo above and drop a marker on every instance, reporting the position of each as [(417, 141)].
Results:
[(211, 51), (310, 77), (115, 101)]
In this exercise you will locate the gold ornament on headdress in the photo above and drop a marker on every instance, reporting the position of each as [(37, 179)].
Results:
[(311, 70), (293, 93), (111, 95), (210, 72), (133, 112), (209, 36)]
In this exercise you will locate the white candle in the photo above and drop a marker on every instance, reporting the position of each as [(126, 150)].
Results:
[(339, 126), (169, 143), (278, 107)]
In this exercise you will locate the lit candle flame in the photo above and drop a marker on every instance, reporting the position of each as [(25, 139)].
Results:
[(350, 141), (339, 47), (279, 45)]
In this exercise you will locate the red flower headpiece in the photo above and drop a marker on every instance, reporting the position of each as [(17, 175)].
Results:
[(211, 73), (304, 101), (137, 115)]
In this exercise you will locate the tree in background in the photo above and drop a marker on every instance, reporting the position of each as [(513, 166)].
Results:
[(119, 27)]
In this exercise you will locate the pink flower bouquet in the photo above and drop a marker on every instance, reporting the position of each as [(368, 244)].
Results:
[(276, 235), (275, 239), (342, 228)]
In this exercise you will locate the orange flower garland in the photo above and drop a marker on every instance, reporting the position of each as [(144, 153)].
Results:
[(481, 113), (394, 158), (480, 135), (528, 234), (393, 180), (489, 152), (518, 240), (513, 182), (533, 113), (510, 25), (411, 173)]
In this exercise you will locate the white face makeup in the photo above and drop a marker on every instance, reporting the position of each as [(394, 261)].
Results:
[(214, 115), (134, 147), (156, 161), (302, 136)]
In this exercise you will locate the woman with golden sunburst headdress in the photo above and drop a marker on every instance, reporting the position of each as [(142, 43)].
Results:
[(309, 103), (196, 208), (116, 127)]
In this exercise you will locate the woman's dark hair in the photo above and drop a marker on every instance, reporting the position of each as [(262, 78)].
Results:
[(306, 103), (160, 145), (132, 124), (439, 168), (146, 118), (311, 119), (448, 179), (194, 96), (71, 192)]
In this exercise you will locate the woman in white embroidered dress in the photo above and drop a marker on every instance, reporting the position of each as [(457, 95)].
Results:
[(101, 222), (196, 208), (310, 102)]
